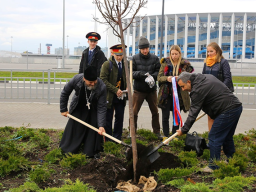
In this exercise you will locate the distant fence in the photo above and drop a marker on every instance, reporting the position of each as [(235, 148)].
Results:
[(47, 88)]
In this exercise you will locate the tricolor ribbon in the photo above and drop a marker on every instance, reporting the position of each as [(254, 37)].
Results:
[(176, 105)]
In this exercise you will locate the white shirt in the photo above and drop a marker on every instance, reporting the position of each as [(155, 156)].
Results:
[(91, 49), (118, 62)]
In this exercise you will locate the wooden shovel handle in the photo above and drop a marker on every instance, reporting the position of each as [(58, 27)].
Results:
[(170, 138), (94, 128), (200, 116), (175, 134)]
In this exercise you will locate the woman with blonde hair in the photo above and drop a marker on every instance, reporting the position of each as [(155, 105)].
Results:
[(216, 65), (170, 67)]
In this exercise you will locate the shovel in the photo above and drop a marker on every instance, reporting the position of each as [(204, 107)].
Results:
[(97, 130), (151, 152)]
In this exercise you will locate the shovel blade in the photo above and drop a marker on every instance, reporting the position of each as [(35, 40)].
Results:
[(150, 153), (154, 156), (146, 151)]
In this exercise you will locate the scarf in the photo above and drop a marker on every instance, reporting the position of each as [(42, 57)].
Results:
[(168, 70), (210, 61)]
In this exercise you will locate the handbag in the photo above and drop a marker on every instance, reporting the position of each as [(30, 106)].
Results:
[(163, 96), (195, 143)]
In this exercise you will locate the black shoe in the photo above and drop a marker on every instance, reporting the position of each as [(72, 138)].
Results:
[(159, 136), (97, 156)]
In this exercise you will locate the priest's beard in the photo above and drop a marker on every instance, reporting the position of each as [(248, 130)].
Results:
[(89, 87)]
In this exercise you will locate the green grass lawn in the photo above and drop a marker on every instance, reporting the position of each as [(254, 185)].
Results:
[(33, 75), (243, 79), (36, 74)]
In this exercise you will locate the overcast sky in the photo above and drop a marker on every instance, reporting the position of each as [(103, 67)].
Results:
[(31, 22)]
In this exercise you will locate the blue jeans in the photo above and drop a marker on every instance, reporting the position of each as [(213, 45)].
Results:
[(221, 134)]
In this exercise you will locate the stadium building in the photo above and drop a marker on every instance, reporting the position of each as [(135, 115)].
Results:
[(234, 32)]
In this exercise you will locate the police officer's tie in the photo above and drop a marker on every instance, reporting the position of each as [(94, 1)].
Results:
[(89, 57), (119, 70)]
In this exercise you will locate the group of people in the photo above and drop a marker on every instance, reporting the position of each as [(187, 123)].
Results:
[(100, 90)]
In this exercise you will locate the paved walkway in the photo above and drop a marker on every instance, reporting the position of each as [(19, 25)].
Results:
[(40, 115)]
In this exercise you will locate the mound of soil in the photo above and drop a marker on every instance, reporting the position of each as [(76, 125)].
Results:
[(104, 173), (145, 168)]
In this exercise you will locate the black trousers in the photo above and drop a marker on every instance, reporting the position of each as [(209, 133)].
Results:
[(166, 116), (117, 106)]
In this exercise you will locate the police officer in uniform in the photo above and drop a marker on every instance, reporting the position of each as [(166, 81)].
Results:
[(113, 75), (92, 55)]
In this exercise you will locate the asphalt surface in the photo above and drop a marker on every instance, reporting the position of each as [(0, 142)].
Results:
[(40, 115)]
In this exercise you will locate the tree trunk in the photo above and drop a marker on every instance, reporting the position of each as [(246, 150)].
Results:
[(131, 116)]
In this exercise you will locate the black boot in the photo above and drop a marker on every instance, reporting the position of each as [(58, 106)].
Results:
[(174, 129)]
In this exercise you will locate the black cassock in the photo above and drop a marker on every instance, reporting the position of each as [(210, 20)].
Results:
[(76, 133)]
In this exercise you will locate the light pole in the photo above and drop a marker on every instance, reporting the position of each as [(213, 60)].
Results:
[(11, 43), (67, 41), (63, 45), (67, 45), (162, 23), (95, 24)]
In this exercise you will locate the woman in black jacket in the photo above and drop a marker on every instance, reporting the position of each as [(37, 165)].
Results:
[(216, 65)]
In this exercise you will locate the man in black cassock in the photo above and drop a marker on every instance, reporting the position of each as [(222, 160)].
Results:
[(89, 105)]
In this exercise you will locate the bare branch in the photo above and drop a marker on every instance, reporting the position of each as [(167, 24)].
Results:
[(126, 5), (137, 10)]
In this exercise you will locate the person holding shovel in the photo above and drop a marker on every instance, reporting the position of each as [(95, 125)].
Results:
[(113, 75), (88, 104), (217, 101)]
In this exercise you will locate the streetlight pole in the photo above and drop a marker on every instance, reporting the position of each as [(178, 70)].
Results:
[(67, 41), (11, 43), (63, 45), (162, 23), (95, 24)]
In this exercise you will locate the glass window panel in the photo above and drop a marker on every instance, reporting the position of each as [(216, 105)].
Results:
[(191, 36), (203, 21), (181, 33), (214, 26)]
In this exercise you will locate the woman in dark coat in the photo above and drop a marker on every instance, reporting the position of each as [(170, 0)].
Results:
[(89, 105), (213, 63), (172, 66)]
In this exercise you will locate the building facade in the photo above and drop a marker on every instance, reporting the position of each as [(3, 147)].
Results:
[(234, 32), (59, 51), (79, 50)]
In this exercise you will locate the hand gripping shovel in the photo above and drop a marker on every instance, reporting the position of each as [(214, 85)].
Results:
[(151, 152), (97, 130)]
